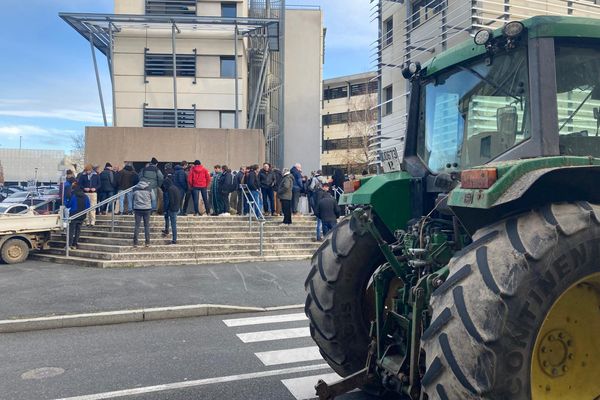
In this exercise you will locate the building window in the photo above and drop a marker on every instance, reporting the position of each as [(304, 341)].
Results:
[(335, 93), (165, 118), (388, 32), (334, 119), (423, 10), (227, 67), (228, 10), (363, 88), (227, 119), (343, 144), (162, 64), (388, 95), (171, 7)]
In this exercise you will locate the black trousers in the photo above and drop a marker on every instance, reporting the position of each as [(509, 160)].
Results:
[(139, 215), (186, 201), (286, 206), (75, 231)]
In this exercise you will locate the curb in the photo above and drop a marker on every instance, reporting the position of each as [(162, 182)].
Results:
[(125, 316)]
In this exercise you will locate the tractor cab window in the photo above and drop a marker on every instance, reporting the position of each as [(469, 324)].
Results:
[(474, 112), (578, 99)]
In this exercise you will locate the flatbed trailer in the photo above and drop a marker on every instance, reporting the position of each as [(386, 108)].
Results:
[(20, 233)]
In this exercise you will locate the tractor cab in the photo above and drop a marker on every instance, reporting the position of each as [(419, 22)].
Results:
[(531, 89)]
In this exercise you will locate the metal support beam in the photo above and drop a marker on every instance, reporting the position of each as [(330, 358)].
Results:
[(98, 78), (281, 141), (174, 54), (237, 105), (254, 108), (112, 73)]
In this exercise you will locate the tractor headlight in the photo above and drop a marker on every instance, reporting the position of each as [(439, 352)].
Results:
[(482, 37), (513, 29)]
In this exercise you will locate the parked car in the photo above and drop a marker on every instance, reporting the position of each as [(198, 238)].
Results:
[(13, 208), (6, 191)]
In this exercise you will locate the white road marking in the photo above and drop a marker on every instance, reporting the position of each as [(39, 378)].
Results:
[(304, 388), (288, 356), (200, 382), (277, 334), (270, 319)]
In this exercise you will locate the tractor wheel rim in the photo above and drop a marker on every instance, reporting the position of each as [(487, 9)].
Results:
[(565, 362), (15, 252)]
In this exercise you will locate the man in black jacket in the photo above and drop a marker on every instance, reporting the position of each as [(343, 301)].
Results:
[(266, 179), (327, 210), (254, 188), (172, 202), (108, 187), (180, 180)]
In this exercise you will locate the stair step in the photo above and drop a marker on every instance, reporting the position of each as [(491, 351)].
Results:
[(156, 262), (163, 245)]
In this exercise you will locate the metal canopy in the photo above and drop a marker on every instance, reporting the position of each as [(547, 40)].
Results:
[(99, 25)]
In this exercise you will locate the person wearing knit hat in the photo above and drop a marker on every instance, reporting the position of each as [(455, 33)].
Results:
[(154, 177), (108, 187), (197, 162)]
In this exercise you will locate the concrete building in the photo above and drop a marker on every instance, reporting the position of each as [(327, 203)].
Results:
[(417, 30), (348, 118), (23, 165), (243, 64)]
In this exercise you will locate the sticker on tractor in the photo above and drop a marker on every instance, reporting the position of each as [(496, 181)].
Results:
[(390, 159)]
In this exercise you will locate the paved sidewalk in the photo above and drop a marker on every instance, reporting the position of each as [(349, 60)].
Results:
[(34, 288)]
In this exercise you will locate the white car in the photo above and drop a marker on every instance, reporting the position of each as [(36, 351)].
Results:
[(13, 208)]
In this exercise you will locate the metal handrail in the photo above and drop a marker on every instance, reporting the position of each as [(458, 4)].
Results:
[(260, 218), (112, 199)]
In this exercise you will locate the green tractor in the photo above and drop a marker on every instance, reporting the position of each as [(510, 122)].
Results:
[(473, 272)]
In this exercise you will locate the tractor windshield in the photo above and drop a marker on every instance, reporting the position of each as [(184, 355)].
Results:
[(474, 112), (578, 98)]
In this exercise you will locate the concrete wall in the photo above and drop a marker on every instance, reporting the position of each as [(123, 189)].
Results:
[(208, 8), (211, 146), (303, 83), (20, 164)]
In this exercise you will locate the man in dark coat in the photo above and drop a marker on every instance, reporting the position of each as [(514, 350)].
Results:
[(266, 179), (172, 201), (76, 203), (126, 178), (328, 212), (154, 177), (254, 188), (296, 172), (180, 180), (108, 187), (90, 183)]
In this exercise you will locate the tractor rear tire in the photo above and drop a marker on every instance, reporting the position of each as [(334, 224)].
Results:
[(497, 308), (336, 289), (14, 251)]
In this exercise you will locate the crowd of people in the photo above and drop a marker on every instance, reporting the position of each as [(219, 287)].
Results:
[(262, 191)]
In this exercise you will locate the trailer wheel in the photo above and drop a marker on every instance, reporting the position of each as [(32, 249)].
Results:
[(14, 251), (336, 302), (519, 315)]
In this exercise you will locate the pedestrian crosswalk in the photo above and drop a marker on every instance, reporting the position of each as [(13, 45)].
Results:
[(298, 348)]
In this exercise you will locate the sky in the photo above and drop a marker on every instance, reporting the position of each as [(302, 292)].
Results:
[(48, 89)]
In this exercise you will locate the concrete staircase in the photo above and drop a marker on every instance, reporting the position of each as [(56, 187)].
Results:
[(201, 240)]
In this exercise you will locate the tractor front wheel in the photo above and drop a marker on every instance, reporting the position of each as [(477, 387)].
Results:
[(519, 315), (337, 303)]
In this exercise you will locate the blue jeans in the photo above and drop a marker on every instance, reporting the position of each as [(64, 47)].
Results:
[(103, 196), (319, 229), (153, 193), (129, 197), (327, 226), (257, 202), (195, 198), (268, 199), (171, 216)]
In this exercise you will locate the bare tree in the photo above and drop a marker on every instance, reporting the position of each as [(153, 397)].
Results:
[(362, 117), (78, 151)]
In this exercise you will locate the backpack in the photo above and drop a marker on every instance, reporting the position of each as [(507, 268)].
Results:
[(315, 184)]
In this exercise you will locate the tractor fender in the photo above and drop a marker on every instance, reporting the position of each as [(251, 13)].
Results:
[(535, 189)]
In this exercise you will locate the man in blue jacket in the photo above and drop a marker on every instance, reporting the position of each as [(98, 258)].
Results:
[(90, 183), (76, 203)]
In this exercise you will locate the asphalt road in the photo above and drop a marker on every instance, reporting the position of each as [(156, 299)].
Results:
[(261, 356), (36, 288)]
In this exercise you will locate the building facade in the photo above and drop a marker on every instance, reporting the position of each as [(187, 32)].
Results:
[(24, 165), (417, 30), (208, 64), (348, 115)]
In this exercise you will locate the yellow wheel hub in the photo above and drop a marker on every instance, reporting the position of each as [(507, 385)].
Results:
[(15, 252), (566, 357)]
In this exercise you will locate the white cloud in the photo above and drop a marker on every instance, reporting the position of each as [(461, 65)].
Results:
[(22, 130), (70, 115)]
